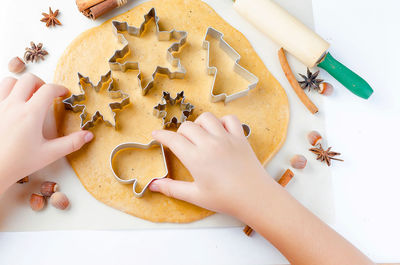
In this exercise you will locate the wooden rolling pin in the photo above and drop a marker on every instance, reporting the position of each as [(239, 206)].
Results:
[(300, 41)]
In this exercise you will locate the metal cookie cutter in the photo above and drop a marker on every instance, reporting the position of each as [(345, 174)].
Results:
[(180, 36), (114, 152), (212, 70), (160, 110), (72, 103), (134, 181)]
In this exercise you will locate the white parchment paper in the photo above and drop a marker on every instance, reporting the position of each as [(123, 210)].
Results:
[(311, 186)]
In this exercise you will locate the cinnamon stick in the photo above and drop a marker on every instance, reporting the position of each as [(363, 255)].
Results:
[(23, 180), (293, 82), (283, 181), (85, 4), (286, 178), (96, 8)]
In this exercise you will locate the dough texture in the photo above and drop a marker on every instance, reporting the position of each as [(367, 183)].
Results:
[(265, 109)]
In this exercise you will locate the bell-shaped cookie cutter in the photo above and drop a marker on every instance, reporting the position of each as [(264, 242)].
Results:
[(160, 110), (212, 70), (72, 102), (180, 36), (134, 181)]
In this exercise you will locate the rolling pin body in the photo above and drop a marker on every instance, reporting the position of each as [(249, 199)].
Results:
[(284, 29)]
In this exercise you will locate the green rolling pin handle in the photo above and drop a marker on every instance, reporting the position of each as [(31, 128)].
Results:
[(346, 77)]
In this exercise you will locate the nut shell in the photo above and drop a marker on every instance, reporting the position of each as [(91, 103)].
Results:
[(298, 162), (37, 201), (16, 65), (314, 138), (59, 200), (325, 89), (48, 188)]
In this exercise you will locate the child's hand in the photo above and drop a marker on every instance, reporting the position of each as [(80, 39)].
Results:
[(228, 178), (26, 126), (220, 159)]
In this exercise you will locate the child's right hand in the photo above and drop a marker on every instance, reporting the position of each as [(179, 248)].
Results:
[(221, 161), (229, 178)]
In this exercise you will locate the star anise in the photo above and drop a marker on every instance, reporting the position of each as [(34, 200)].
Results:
[(34, 53), (310, 81), (51, 18), (325, 155)]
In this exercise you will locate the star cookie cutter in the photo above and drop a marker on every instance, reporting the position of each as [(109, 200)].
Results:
[(160, 111), (212, 70), (134, 181), (180, 36), (72, 103)]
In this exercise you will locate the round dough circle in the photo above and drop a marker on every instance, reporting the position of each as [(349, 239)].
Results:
[(265, 109)]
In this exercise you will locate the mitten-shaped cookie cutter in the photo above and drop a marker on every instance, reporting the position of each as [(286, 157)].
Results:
[(73, 102), (180, 36), (134, 181), (212, 70), (160, 110)]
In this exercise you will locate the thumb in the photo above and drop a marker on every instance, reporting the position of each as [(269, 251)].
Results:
[(65, 145), (181, 190)]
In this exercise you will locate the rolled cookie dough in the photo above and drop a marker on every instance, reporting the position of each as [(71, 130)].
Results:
[(265, 108)]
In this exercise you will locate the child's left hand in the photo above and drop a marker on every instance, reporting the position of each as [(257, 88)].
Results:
[(28, 137)]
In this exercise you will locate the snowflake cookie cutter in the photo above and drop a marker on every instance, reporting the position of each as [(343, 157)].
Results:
[(180, 36), (134, 181), (160, 111), (212, 70), (72, 102)]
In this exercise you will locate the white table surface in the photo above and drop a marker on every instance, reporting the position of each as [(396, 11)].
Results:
[(365, 35)]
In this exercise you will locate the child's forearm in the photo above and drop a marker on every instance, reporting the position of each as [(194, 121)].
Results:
[(6, 180), (295, 231), (229, 178)]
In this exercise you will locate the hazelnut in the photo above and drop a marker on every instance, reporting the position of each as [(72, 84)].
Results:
[(325, 89), (37, 201), (298, 162), (314, 138), (48, 188), (16, 65), (59, 200)]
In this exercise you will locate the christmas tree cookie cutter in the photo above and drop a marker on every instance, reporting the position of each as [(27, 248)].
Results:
[(74, 102), (180, 36), (160, 111), (134, 180), (212, 70)]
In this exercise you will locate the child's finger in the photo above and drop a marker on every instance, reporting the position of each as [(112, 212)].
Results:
[(181, 190), (26, 86), (210, 123), (178, 143), (65, 145), (6, 86), (50, 125), (192, 131), (232, 125), (45, 96)]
